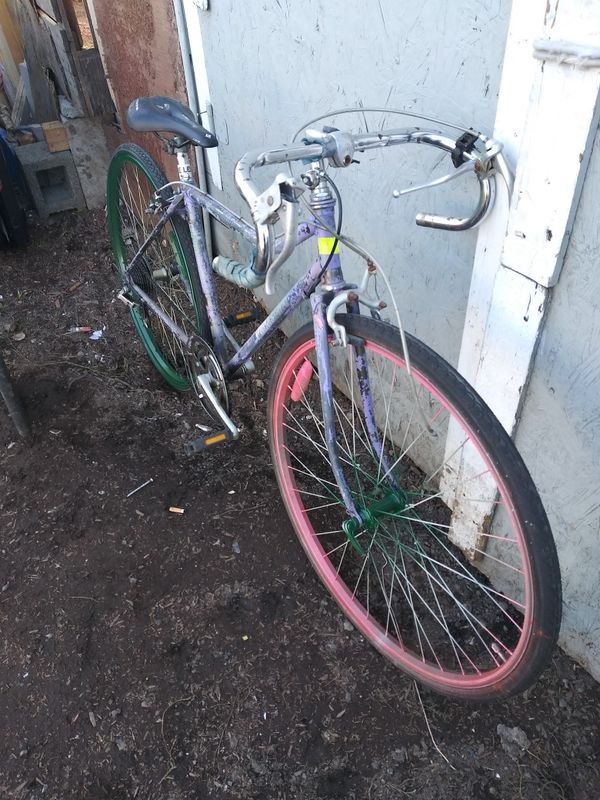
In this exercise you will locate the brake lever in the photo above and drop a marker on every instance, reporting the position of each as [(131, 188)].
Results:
[(485, 175), (468, 167), (288, 213), (278, 202)]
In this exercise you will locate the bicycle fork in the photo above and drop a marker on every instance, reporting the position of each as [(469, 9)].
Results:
[(364, 517)]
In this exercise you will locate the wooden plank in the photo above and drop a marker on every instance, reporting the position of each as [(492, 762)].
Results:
[(91, 11), (56, 136), (512, 328), (93, 82), (64, 52), (91, 156), (49, 8), (69, 18), (18, 109), (518, 110), (7, 59), (502, 324), (547, 192), (42, 64), (8, 25)]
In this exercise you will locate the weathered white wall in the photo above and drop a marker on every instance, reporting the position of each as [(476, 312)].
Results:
[(274, 64), (559, 432)]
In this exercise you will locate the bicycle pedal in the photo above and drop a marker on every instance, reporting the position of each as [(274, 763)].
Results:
[(231, 431), (207, 441), (240, 318), (124, 298)]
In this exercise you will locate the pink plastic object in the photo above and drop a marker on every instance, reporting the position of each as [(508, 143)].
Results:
[(302, 380)]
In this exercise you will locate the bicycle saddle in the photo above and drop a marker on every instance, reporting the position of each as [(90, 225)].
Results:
[(165, 114)]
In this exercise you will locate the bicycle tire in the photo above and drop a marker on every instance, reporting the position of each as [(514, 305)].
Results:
[(167, 271), (419, 594), (13, 402), (13, 218)]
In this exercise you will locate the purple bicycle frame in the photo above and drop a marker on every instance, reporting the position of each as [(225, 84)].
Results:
[(304, 289)]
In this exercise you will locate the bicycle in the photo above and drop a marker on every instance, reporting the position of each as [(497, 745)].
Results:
[(407, 495)]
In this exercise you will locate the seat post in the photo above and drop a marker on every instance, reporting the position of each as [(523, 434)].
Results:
[(184, 166)]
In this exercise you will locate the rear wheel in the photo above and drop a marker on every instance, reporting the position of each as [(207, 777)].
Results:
[(167, 270), (452, 573)]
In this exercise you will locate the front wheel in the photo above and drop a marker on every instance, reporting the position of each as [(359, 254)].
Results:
[(453, 573)]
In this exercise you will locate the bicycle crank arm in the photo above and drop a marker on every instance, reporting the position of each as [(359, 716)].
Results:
[(231, 431)]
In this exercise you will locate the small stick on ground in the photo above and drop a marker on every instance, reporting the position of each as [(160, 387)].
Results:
[(446, 759), (162, 723), (169, 750), (234, 708), (167, 773)]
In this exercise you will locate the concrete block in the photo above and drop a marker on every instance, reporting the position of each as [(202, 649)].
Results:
[(52, 179)]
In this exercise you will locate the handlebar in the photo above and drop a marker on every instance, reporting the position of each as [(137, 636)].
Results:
[(470, 153)]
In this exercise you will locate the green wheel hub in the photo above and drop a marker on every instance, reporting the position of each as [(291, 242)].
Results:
[(393, 503)]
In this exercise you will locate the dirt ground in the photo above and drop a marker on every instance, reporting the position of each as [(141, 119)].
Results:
[(146, 654)]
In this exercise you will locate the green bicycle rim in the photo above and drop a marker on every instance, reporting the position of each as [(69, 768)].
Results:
[(166, 370)]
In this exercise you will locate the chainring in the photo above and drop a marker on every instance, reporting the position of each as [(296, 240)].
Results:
[(203, 361)]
